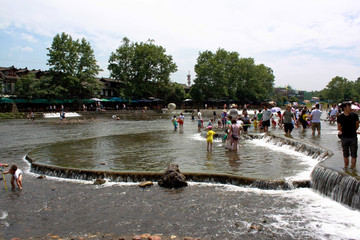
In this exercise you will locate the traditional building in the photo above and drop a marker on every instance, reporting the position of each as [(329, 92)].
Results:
[(287, 92), (109, 87), (9, 76)]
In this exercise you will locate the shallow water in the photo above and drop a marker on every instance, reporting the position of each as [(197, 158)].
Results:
[(151, 145), (202, 210)]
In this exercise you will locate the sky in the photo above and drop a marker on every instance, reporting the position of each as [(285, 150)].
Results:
[(306, 43)]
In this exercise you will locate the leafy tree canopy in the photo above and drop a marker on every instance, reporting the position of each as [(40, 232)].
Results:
[(224, 75), (143, 67), (73, 68)]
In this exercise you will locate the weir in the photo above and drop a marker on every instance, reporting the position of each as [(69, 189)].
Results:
[(126, 176), (339, 186), (116, 176)]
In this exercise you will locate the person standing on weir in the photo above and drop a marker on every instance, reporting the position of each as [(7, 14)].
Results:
[(315, 119), (348, 123), (267, 114)]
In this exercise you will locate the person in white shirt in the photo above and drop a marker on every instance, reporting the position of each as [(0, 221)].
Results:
[(267, 114), (16, 176), (315, 119), (233, 112), (333, 114)]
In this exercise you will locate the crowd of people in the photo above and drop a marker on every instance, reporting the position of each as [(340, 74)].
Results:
[(235, 123)]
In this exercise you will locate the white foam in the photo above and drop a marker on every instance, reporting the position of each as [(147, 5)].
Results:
[(323, 218), (3, 214), (57, 115), (197, 137), (89, 182), (326, 218)]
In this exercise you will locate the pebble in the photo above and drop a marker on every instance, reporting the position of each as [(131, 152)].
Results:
[(146, 184), (155, 237)]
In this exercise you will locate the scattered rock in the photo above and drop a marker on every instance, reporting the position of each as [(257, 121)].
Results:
[(173, 237), (155, 237), (302, 184), (146, 184), (41, 177), (146, 235), (136, 238), (99, 181), (255, 227), (103, 163), (172, 178)]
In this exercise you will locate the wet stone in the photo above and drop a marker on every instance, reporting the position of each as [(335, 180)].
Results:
[(155, 237), (172, 178), (99, 181), (41, 177), (146, 184), (256, 227)]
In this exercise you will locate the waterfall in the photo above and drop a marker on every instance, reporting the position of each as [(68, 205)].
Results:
[(340, 187)]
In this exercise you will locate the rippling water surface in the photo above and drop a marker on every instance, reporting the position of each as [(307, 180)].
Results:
[(66, 207), (151, 145)]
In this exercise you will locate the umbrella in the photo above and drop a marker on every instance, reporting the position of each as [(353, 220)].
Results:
[(96, 99), (20, 100), (85, 101), (354, 107), (104, 100), (116, 99), (6, 100), (40, 101), (275, 109)]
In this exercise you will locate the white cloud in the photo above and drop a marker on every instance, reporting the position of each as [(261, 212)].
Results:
[(252, 28), (22, 49), (29, 38)]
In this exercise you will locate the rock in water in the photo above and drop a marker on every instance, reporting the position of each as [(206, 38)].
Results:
[(146, 184), (41, 177), (99, 181), (172, 178)]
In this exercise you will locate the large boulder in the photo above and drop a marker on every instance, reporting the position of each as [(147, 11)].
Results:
[(172, 178)]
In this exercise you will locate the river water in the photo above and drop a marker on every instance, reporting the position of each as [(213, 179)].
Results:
[(148, 143)]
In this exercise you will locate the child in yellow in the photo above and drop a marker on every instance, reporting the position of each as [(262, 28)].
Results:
[(209, 138)]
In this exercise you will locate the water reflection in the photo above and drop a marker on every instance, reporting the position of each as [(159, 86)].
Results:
[(234, 160)]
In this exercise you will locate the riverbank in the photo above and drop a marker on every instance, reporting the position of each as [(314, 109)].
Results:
[(10, 115)]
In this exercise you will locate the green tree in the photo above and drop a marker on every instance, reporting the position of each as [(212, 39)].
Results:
[(73, 68), (336, 89), (27, 87), (143, 67), (293, 99), (177, 93), (225, 75)]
